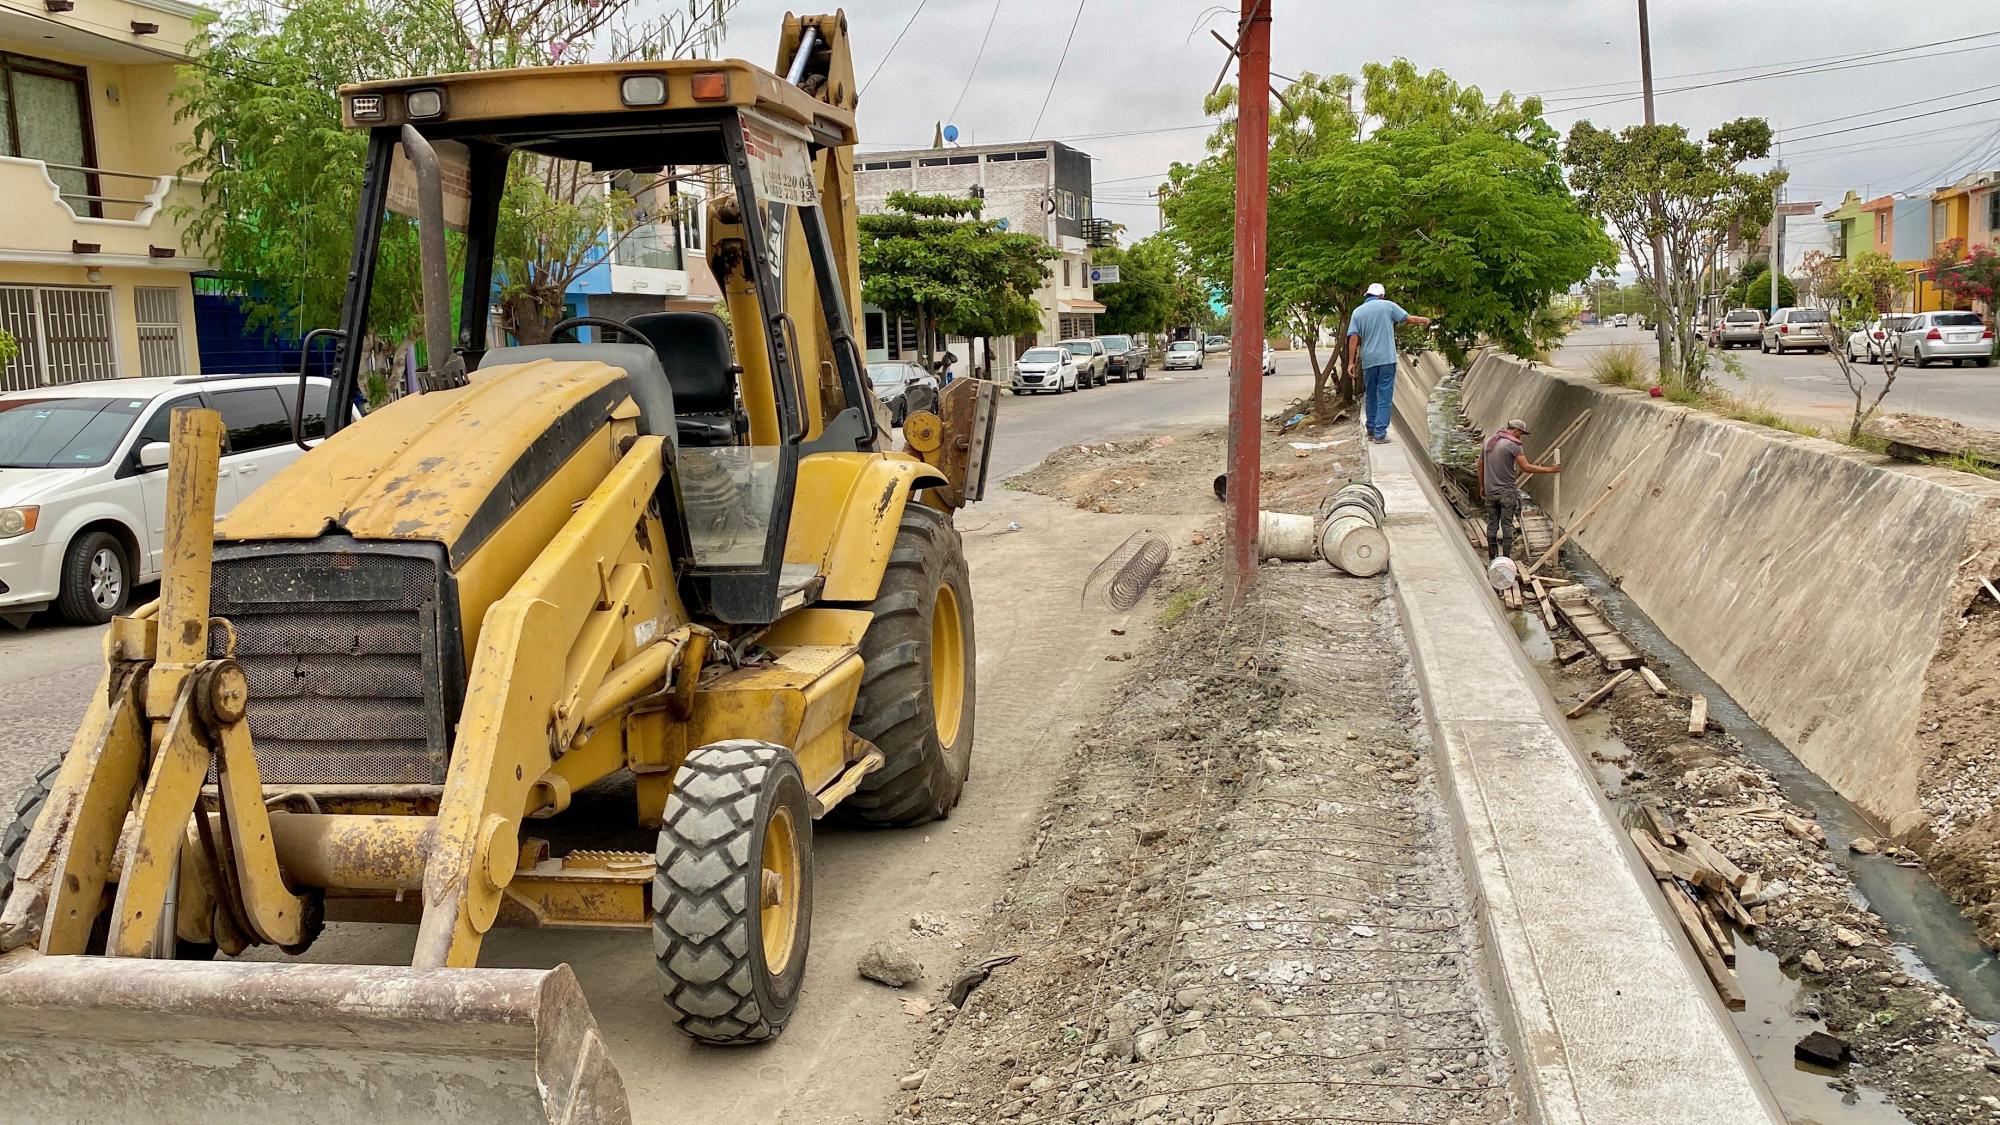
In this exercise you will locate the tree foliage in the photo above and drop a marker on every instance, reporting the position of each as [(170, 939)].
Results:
[(1456, 204), (934, 258), (1655, 182), (1143, 299), (1963, 277), (1753, 289), (281, 179)]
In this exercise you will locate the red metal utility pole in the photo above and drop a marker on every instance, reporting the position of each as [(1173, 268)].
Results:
[(1246, 353)]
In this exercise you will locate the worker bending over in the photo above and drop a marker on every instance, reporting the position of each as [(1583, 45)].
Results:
[(1501, 465)]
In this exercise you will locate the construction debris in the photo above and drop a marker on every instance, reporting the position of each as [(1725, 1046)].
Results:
[(1580, 612), (1653, 680), (1600, 695), (1697, 714), (1700, 885)]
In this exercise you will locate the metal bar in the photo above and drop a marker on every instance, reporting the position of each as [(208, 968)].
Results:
[(107, 171), (488, 169), (161, 824), (441, 369), (360, 278), (105, 198), (1246, 366), (806, 44)]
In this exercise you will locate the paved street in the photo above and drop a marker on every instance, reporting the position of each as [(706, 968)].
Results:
[(1807, 386)]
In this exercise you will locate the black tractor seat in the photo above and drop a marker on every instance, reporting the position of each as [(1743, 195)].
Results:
[(693, 348)]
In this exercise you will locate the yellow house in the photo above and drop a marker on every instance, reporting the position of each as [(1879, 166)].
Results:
[(94, 268)]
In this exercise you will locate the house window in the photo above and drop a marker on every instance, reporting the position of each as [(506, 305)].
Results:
[(65, 335), (1065, 273), (690, 200), (1993, 210), (158, 310), (45, 115), (1881, 227), (877, 330), (1939, 225)]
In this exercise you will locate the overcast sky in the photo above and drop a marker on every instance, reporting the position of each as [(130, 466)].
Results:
[(1145, 65)]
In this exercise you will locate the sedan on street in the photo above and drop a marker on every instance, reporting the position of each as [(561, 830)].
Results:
[(1871, 342), (1797, 330), (1739, 328), (1184, 355), (894, 383), (1045, 369), (1946, 336)]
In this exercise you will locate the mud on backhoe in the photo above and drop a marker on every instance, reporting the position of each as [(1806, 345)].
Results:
[(680, 565)]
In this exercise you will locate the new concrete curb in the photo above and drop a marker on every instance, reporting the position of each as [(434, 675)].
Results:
[(1606, 1012)]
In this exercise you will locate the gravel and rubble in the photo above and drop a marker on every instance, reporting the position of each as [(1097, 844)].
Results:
[(1245, 906), (1911, 1039)]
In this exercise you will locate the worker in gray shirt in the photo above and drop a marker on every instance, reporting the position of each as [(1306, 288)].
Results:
[(1501, 464)]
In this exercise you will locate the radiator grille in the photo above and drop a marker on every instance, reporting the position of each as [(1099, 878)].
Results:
[(342, 649)]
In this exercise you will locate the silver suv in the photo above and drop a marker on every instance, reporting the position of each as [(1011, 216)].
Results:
[(1798, 330), (1092, 365), (1738, 328)]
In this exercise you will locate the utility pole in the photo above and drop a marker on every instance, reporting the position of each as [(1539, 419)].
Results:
[(1660, 277), (1777, 262), (1246, 353)]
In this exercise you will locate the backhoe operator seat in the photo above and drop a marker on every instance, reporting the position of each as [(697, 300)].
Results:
[(694, 349), (644, 379)]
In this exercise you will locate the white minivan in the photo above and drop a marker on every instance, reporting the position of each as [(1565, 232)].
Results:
[(83, 479)]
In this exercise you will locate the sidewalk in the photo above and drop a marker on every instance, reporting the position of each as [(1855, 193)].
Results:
[(1609, 1016)]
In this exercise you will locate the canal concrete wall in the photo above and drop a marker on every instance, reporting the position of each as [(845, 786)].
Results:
[(1813, 581)]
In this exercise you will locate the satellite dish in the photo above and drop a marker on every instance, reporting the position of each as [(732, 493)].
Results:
[(951, 133)]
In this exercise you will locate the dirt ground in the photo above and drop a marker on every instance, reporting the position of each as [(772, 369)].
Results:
[(1912, 1040), (1174, 472), (1244, 903), (1960, 787)]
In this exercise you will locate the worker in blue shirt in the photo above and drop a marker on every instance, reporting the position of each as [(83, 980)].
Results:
[(1371, 343)]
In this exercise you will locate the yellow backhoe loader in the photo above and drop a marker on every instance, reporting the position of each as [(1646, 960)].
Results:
[(671, 580)]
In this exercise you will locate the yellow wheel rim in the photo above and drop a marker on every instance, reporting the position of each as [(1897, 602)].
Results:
[(947, 664), (780, 890)]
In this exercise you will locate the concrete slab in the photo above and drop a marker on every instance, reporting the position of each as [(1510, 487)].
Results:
[(1605, 1008)]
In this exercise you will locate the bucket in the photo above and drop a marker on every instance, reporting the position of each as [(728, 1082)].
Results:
[(1359, 498), (1284, 536), (1352, 543), (1502, 573)]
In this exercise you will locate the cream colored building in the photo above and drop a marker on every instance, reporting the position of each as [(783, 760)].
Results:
[(94, 268)]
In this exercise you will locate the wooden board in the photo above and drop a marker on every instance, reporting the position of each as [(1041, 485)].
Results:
[(1653, 680), (1705, 949), (1604, 640), (1698, 715), (1537, 531), (1600, 695)]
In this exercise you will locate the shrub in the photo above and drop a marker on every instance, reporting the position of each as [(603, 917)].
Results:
[(1621, 366)]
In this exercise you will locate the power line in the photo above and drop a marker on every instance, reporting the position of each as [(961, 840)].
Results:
[(893, 44), (978, 55), (1067, 40), (1884, 109), (1843, 56), (1894, 120), (1875, 59)]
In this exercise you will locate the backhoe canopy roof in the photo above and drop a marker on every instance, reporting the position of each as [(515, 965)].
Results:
[(590, 112)]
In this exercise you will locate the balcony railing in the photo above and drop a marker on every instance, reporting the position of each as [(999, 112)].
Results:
[(84, 191)]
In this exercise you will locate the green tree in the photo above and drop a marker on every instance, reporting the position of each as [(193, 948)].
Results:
[(1656, 185), (9, 347), (281, 179), (1865, 286), (1753, 289), (1143, 297), (934, 258)]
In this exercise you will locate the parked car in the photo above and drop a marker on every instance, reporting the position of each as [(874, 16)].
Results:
[(83, 482), (1124, 358), (1184, 355), (1619, 320), (1045, 369), (1092, 363), (894, 382), (1795, 329), (1948, 336), (1215, 344), (1870, 343), (1738, 328)]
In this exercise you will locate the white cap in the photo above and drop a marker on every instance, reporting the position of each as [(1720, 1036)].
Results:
[(1376, 290)]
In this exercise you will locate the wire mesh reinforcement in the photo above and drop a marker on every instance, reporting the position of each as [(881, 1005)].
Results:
[(1132, 566)]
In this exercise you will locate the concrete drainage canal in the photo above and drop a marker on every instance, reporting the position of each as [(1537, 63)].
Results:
[(1862, 992)]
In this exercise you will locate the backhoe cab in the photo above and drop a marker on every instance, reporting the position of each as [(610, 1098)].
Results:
[(583, 635)]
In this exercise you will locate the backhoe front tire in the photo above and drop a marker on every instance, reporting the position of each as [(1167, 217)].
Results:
[(732, 892), (917, 693)]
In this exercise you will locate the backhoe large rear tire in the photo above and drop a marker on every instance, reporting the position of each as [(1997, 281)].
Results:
[(732, 892), (26, 808), (917, 692)]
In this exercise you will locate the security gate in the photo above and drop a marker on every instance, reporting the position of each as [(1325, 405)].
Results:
[(64, 335), (159, 312)]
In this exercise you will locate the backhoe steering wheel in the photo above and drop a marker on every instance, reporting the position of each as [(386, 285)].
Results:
[(575, 322)]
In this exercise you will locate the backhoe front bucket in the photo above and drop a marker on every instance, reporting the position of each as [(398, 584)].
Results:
[(118, 1039)]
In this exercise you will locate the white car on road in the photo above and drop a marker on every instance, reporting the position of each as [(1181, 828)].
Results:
[(83, 481), (1949, 337), (1046, 368), (1184, 355)]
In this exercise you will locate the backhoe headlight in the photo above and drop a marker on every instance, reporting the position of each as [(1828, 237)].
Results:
[(643, 89), (18, 521), (424, 103)]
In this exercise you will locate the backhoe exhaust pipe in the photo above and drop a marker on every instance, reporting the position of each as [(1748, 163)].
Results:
[(443, 368)]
